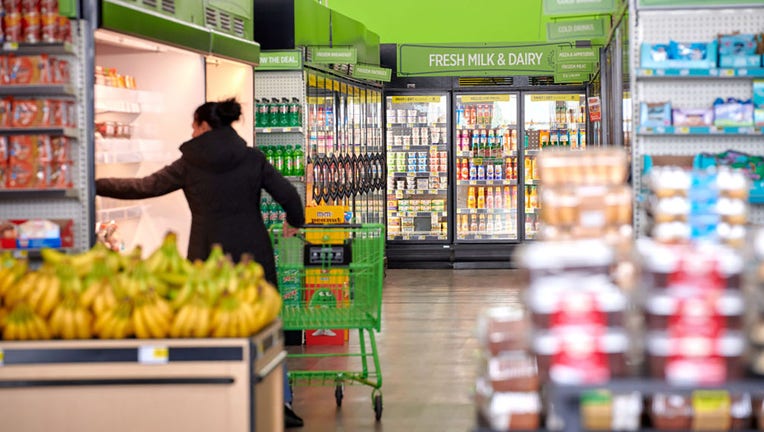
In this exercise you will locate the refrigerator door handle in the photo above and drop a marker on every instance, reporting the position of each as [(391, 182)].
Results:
[(263, 373)]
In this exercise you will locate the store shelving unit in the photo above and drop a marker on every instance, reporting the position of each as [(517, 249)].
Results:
[(690, 88), (72, 204)]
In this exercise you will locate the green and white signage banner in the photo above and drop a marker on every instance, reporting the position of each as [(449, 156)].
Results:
[(571, 77), (370, 72), (587, 67), (477, 59), (578, 7), (325, 55), (577, 30), (280, 60), (577, 55)]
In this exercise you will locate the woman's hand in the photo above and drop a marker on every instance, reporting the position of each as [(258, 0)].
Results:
[(289, 231)]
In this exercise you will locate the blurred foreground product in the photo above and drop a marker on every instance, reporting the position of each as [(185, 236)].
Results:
[(697, 205), (507, 387)]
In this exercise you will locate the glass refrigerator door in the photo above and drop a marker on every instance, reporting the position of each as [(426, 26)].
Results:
[(486, 167), (550, 121), (417, 165)]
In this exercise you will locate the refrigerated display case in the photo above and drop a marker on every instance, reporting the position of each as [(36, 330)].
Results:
[(417, 167), (555, 120), (486, 168)]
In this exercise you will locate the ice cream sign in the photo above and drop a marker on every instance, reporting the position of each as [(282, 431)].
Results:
[(478, 60)]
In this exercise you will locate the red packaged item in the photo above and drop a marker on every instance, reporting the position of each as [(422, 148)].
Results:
[(49, 7), (29, 69), (30, 25), (3, 175), (30, 113), (3, 150), (64, 29), (12, 27), (44, 149), (59, 175), (71, 114), (49, 27), (22, 148), (57, 112), (6, 111), (30, 6), (22, 175), (5, 70), (60, 71), (12, 6), (60, 149)]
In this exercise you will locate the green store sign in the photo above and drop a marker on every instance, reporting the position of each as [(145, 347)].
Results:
[(571, 77), (575, 67), (578, 7), (477, 59), (680, 3), (322, 55), (370, 72), (280, 60), (578, 54), (576, 30)]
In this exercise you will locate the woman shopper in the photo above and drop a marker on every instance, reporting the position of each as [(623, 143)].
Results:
[(222, 180)]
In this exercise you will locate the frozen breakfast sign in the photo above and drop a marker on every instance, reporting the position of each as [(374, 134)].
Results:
[(476, 60)]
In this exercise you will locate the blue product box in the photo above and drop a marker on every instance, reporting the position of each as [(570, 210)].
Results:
[(733, 113), (698, 55), (758, 102), (739, 60), (738, 44), (655, 115)]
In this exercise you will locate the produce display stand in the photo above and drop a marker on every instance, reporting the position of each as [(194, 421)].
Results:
[(144, 384)]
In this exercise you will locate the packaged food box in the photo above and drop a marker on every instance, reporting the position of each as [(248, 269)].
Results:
[(666, 309), (24, 70), (512, 371), (24, 175), (693, 117), (30, 113), (696, 359), (705, 410), (507, 411), (602, 410), (6, 112), (503, 329), (577, 358)]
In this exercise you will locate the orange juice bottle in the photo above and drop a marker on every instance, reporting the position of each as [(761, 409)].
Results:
[(471, 198), (489, 198), (528, 169), (534, 198), (481, 198), (497, 201), (473, 223), (507, 197), (464, 224)]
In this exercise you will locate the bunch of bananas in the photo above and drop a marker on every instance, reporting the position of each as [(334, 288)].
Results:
[(102, 294)]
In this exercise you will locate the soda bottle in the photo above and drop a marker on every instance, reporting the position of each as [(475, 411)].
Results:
[(289, 161), (489, 198), (475, 143), (491, 142), (269, 155), (273, 112), (481, 198), (471, 198), (298, 164), (283, 118), (465, 169), (279, 157), (294, 113), (497, 201), (459, 114), (258, 119)]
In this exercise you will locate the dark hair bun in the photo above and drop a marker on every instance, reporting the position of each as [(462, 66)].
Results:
[(228, 111)]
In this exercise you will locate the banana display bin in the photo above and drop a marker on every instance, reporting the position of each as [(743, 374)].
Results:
[(188, 385)]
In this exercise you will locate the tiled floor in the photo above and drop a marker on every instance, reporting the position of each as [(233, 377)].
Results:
[(427, 351)]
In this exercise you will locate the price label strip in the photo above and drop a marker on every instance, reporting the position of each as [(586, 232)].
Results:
[(2, 358), (153, 355)]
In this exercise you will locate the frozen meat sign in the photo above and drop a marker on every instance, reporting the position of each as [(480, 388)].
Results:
[(486, 59), (478, 59)]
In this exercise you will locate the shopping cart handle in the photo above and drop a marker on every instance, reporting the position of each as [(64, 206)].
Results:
[(311, 226)]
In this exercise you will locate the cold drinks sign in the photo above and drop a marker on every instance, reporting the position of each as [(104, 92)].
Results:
[(477, 60)]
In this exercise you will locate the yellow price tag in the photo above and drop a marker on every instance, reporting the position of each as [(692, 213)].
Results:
[(416, 99), (486, 98), (2, 357), (647, 72), (728, 72), (556, 98), (684, 130), (153, 355)]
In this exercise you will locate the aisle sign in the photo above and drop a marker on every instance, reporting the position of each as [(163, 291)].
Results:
[(153, 355), (571, 77), (578, 7), (416, 99), (280, 60), (555, 98), (364, 71), (575, 67), (578, 54), (595, 113), (325, 55), (477, 59), (576, 30), (485, 98)]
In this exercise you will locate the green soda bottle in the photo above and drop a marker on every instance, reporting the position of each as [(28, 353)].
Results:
[(269, 156), (298, 164), (280, 159), (289, 161)]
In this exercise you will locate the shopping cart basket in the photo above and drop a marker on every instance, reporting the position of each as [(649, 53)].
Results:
[(330, 277)]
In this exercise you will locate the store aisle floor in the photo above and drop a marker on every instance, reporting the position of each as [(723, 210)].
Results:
[(427, 351)]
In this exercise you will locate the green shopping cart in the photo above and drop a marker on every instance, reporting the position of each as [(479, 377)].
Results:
[(330, 277)]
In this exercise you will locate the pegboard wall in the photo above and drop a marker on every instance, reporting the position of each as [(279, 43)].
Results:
[(279, 84), (696, 25), (692, 92)]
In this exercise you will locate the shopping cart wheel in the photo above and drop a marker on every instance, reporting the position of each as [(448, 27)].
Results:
[(378, 406), (339, 394)]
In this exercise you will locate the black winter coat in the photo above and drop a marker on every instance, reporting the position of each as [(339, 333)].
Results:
[(222, 180)]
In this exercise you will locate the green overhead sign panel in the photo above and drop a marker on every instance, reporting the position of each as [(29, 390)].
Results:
[(578, 7), (571, 77), (370, 72), (587, 67), (477, 59), (578, 54), (324, 55), (280, 60), (576, 30)]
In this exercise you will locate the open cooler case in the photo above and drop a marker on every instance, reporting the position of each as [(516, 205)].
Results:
[(145, 96), (556, 120), (486, 193), (417, 168)]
